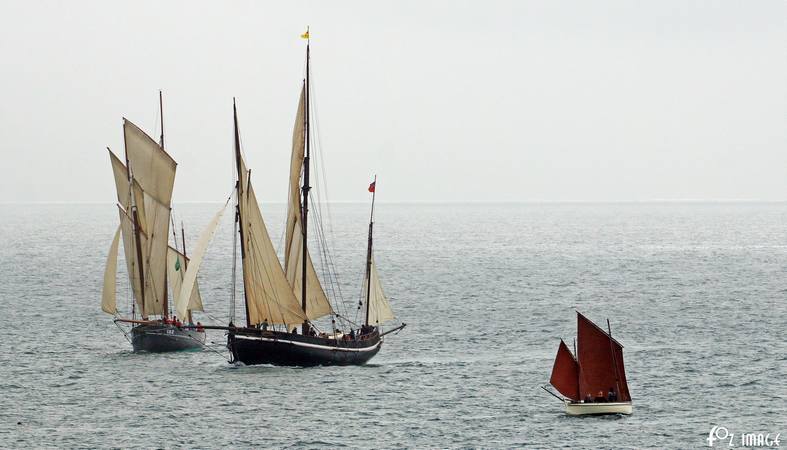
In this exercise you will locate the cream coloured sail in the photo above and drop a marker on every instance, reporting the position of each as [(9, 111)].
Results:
[(150, 165), (108, 299), (317, 303), (176, 270), (155, 226), (190, 277), (269, 296), (130, 251), (379, 308)]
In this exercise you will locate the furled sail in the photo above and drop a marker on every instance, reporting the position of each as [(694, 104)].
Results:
[(565, 373), (189, 284), (379, 308), (600, 361), (176, 270), (108, 300), (269, 297), (317, 303)]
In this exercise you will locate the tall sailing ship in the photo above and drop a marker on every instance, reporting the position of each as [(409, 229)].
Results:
[(593, 382), (280, 300), (144, 184)]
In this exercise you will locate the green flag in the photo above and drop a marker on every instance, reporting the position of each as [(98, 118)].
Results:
[(177, 264)]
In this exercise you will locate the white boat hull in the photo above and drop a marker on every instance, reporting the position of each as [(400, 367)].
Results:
[(583, 409)]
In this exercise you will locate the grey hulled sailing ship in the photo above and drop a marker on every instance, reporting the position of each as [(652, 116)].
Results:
[(144, 184)]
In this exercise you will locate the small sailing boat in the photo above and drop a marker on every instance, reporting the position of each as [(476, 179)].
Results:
[(593, 382), (280, 299), (144, 190)]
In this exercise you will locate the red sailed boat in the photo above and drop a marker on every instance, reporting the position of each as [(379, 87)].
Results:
[(593, 382)]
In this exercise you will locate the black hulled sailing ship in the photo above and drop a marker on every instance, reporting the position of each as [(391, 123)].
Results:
[(144, 185), (289, 319)]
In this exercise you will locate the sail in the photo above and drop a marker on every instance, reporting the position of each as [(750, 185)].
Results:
[(108, 300), (317, 303), (190, 277), (176, 270), (379, 308), (150, 165), (130, 251), (565, 373), (155, 225), (268, 294), (600, 361)]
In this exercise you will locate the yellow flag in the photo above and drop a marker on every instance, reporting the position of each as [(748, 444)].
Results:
[(305, 35)]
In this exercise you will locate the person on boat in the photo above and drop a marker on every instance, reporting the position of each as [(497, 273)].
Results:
[(612, 396), (265, 325), (600, 397), (588, 398), (352, 334), (294, 330), (199, 327)]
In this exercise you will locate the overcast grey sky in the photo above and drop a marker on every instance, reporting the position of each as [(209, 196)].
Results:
[(444, 100)]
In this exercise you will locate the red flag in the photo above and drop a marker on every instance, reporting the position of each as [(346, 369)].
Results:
[(371, 186)]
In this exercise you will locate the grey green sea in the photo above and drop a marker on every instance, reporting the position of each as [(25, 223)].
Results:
[(696, 292)]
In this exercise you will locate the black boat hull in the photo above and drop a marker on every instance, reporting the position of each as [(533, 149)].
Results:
[(159, 338), (283, 349)]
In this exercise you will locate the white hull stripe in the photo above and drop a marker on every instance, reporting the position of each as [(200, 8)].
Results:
[(306, 344)]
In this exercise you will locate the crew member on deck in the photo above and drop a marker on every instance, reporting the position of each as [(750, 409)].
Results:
[(612, 396)]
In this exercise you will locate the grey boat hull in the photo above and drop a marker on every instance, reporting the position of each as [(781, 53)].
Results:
[(159, 338)]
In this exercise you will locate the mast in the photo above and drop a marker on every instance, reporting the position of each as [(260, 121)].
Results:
[(373, 188), (137, 242), (239, 191), (614, 361), (305, 204), (165, 306), (185, 260)]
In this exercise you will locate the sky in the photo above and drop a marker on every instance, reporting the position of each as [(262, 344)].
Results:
[(445, 101)]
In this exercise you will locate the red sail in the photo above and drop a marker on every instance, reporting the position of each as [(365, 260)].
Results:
[(600, 362), (565, 373)]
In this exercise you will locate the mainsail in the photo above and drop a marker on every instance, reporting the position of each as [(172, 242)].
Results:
[(379, 308), (600, 361), (565, 373), (317, 303), (269, 297), (144, 187)]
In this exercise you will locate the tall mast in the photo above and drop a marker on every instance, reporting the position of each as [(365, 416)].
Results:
[(305, 203), (369, 252), (135, 218), (185, 261), (165, 306), (239, 192)]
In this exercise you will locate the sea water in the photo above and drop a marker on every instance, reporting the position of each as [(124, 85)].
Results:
[(696, 292)]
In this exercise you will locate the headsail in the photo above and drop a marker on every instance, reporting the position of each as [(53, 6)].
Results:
[(108, 294), (379, 308), (189, 284), (600, 361), (317, 303), (565, 373)]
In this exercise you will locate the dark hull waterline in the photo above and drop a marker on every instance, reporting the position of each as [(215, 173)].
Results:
[(159, 338), (283, 349)]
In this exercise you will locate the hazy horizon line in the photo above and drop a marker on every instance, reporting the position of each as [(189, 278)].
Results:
[(429, 202)]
